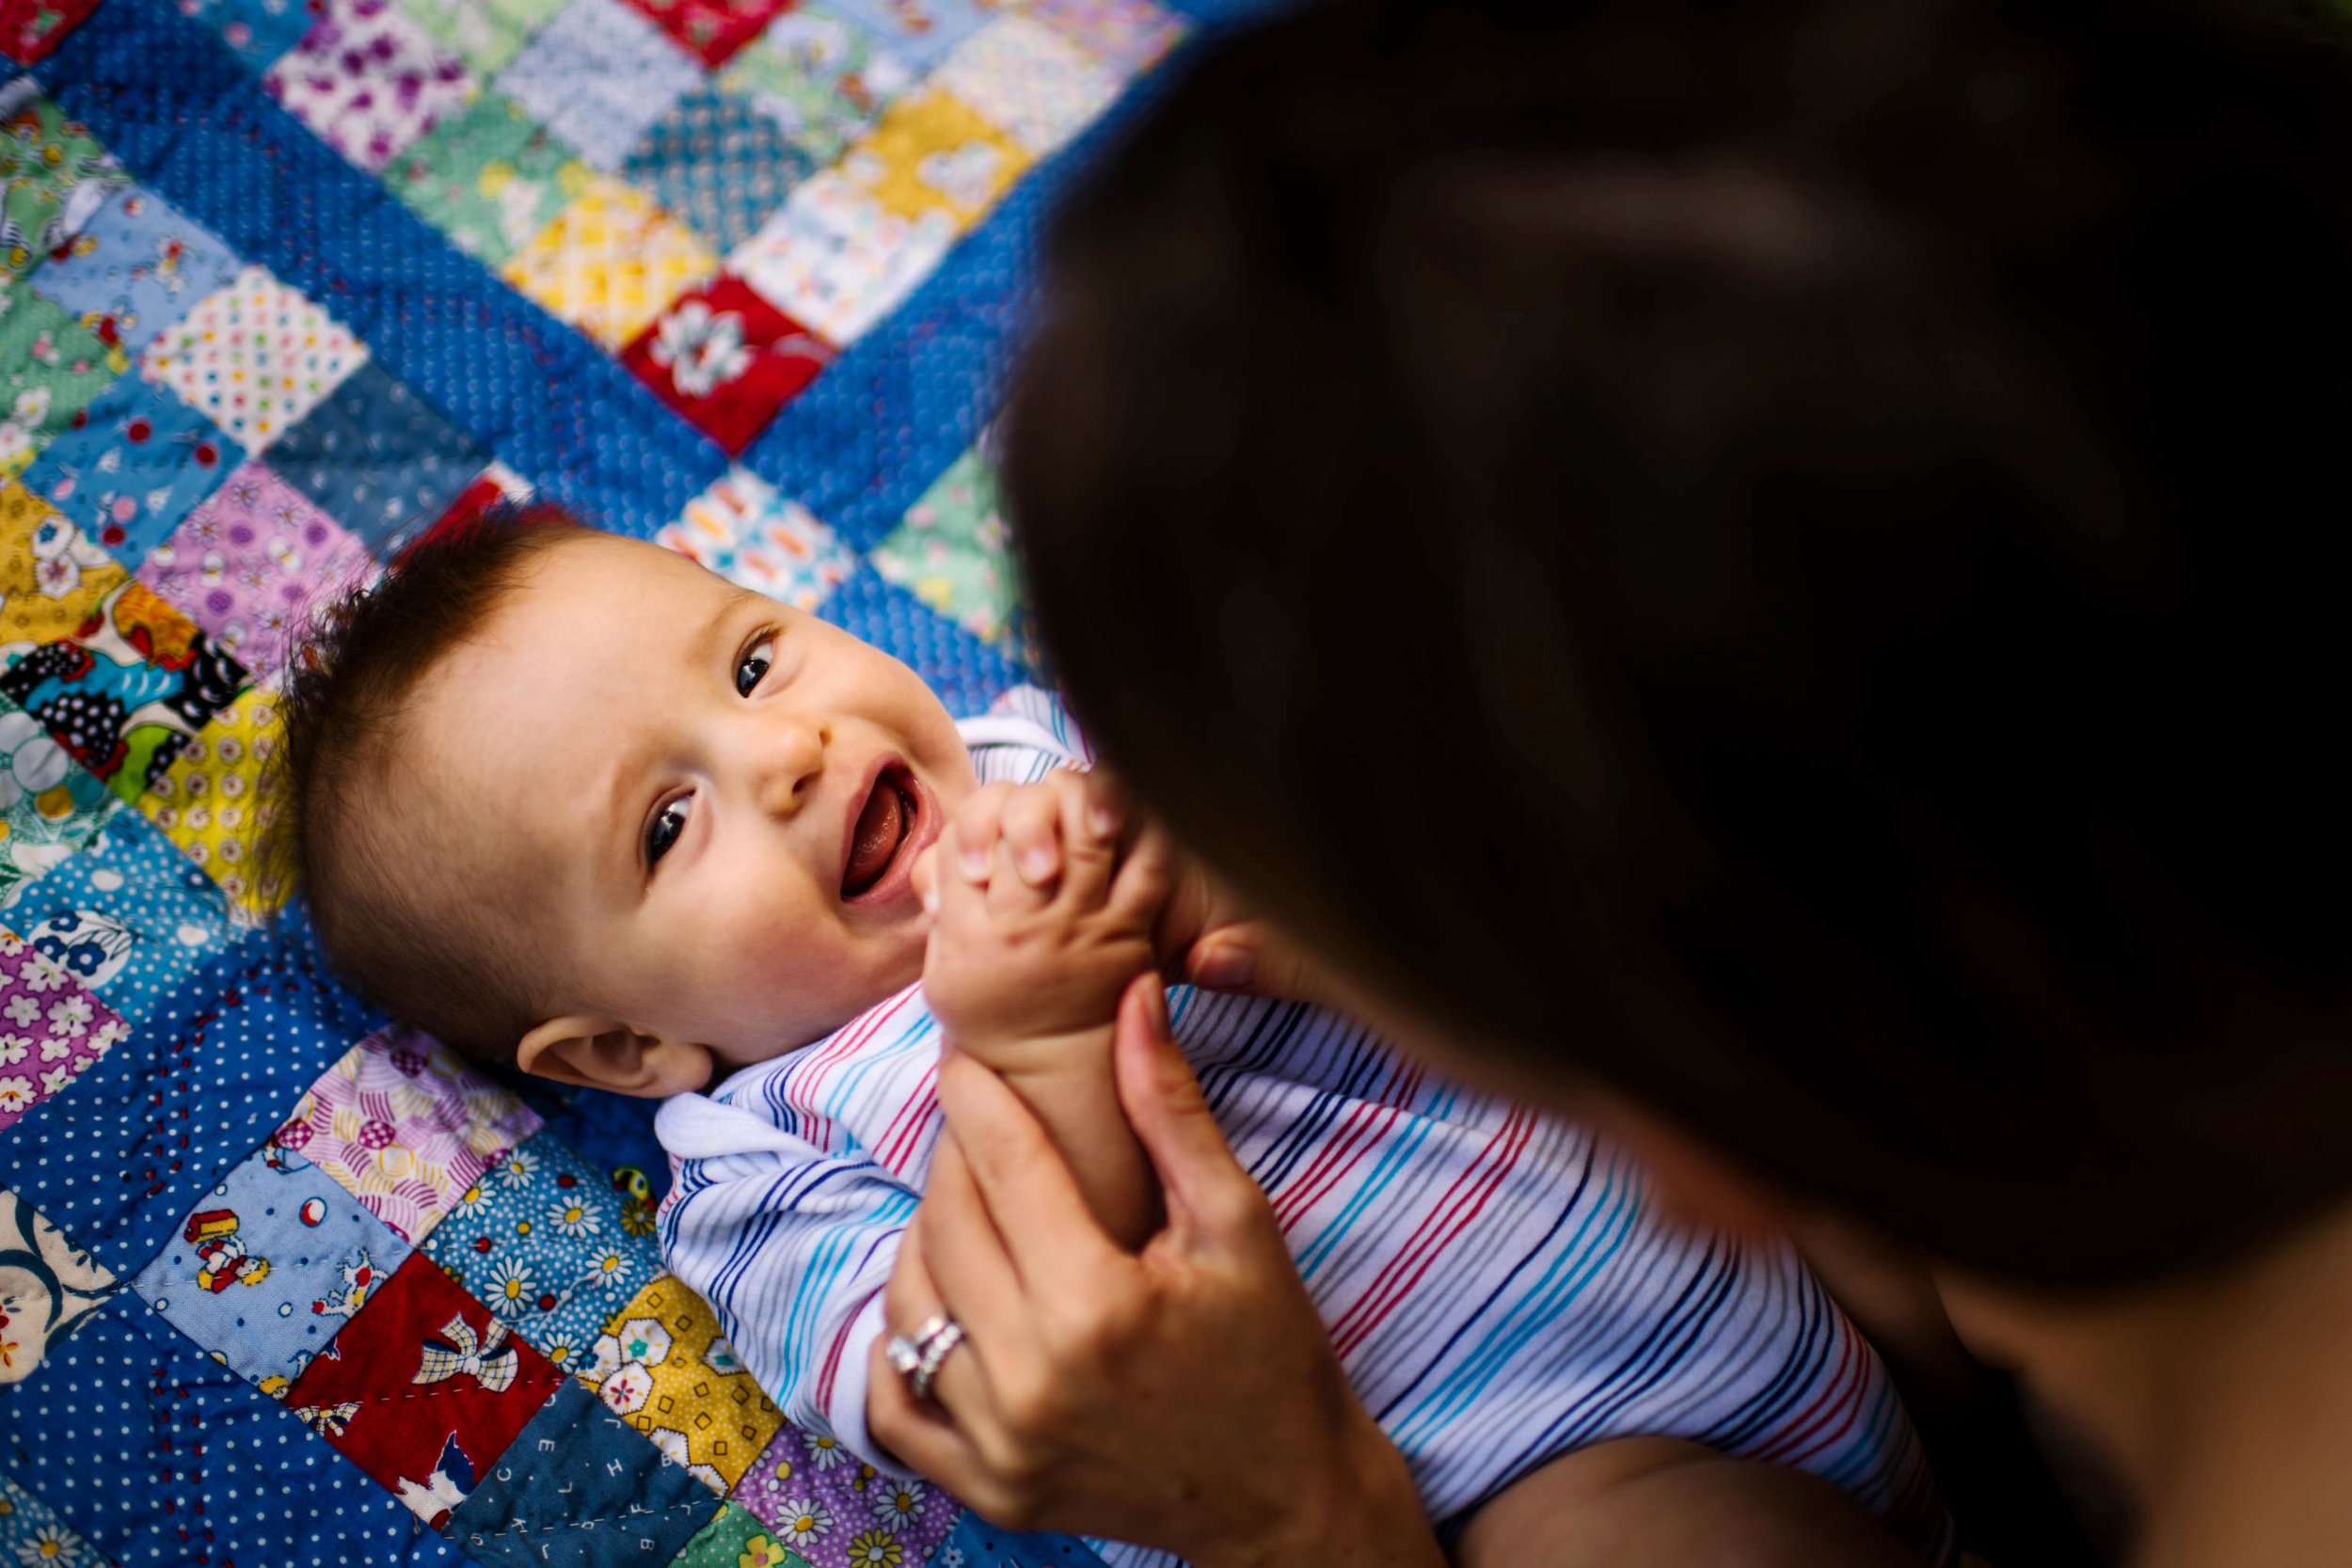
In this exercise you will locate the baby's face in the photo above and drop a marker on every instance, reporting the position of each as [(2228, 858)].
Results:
[(709, 800)]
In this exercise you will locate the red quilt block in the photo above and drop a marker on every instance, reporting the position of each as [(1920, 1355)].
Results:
[(711, 29), (423, 1390), (29, 29), (726, 359)]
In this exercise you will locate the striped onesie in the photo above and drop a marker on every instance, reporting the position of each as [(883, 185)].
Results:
[(1491, 1281)]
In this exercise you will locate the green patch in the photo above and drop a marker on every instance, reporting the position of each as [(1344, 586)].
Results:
[(490, 179), (486, 34), (951, 550), (737, 1539), (52, 176), (52, 367)]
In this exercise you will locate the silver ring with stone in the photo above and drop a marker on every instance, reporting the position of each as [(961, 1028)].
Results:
[(918, 1357)]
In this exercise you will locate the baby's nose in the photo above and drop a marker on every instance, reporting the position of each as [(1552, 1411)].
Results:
[(790, 761)]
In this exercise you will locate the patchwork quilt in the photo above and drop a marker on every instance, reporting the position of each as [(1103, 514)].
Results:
[(281, 284)]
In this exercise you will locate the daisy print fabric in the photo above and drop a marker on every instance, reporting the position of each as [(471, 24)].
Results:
[(50, 1029)]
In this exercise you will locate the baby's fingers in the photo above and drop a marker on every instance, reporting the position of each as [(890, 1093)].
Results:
[(974, 829), (1147, 875), (1032, 832)]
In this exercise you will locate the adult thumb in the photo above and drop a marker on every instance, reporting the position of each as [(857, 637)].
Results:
[(1171, 1119), (1255, 958)]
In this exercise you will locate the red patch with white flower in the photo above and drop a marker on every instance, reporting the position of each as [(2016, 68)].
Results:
[(711, 29), (726, 359)]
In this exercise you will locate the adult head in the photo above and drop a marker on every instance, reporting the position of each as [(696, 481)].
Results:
[(1770, 557)]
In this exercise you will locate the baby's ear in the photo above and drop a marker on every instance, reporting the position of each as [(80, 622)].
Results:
[(605, 1053)]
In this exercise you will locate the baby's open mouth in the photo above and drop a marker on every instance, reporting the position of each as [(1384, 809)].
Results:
[(884, 825)]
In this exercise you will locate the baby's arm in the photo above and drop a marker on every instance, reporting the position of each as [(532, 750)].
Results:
[(1026, 964)]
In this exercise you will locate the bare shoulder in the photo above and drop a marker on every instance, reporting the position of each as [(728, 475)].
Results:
[(1641, 1500)]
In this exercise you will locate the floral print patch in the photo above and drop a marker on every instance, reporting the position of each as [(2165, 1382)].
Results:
[(368, 80), (51, 576), (53, 176), (406, 1126), (50, 805), (126, 692), (254, 355), (51, 1030), (953, 551), (551, 1244), (598, 75), (51, 368), (1029, 80), (745, 531), (1125, 34), (821, 77), (728, 360), (837, 1511), (490, 178), (254, 565), (662, 1365), (609, 262), (839, 259), (931, 151)]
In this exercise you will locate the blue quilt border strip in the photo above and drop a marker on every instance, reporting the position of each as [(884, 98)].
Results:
[(857, 448)]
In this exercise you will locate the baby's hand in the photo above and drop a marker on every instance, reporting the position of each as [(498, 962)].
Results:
[(1040, 918)]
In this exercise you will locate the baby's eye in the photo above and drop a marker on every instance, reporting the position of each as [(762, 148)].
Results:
[(663, 830), (753, 665)]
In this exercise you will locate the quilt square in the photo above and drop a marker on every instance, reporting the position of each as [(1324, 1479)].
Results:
[(125, 693), (50, 1285), (213, 802), (254, 565), (490, 178), (367, 79), (257, 31), (254, 355), (711, 30), (718, 164), (953, 551), (51, 576), (920, 32), (51, 368), (269, 1265), (545, 1239), (407, 1125), (743, 529), (578, 1490), (598, 75), (734, 1537), (29, 29), (425, 1390), (1125, 34), (726, 359), (1029, 80), (377, 458), (127, 914), (494, 484), (837, 259), (933, 152), (822, 78), (50, 805), (663, 1365), (486, 34), (52, 1029), (137, 266), (132, 464), (53, 176), (609, 262), (822, 1503)]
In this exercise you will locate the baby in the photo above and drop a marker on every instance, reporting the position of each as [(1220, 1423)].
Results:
[(572, 802)]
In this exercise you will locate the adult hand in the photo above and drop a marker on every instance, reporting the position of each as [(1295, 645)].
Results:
[(1185, 1397)]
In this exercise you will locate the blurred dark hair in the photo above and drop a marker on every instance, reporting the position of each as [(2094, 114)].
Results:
[(1780, 554), (399, 920)]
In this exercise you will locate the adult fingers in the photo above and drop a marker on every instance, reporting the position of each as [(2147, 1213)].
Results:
[(1209, 1196), (975, 825), (921, 1433), (1255, 957), (965, 1261), (1145, 877), (1024, 1184)]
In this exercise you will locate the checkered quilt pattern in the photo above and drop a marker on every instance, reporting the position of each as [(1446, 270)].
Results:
[(281, 284)]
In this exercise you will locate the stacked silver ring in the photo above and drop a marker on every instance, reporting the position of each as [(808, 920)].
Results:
[(919, 1358)]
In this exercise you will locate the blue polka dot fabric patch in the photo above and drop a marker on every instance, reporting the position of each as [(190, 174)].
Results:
[(161, 1455)]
